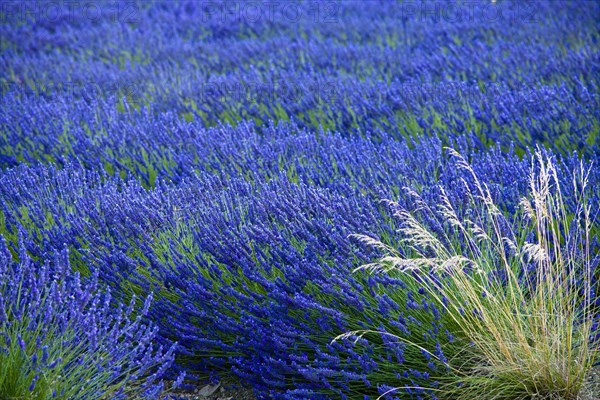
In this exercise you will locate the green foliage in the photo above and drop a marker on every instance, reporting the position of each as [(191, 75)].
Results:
[(67, 379)]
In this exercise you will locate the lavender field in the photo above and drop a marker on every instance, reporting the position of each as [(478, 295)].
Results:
[(334, 199)]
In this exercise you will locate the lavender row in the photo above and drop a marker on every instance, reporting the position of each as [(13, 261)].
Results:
[(62, 337), (428, 74), (252, 266), (146, 145)]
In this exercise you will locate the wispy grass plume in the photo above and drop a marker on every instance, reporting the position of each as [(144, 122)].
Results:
[(521, 288)]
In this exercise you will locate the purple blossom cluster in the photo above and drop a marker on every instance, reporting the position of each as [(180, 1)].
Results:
[(63, 337), (503, 80), (251, 264)]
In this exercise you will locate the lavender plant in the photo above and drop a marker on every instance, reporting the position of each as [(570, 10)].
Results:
[(421, 80), (60, 337), (262, 246)]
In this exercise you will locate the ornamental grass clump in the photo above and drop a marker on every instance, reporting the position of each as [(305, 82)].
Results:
[(522, 291), (61, 337)]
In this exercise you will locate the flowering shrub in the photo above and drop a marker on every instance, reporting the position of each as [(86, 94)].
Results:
[(507, 79), (265, 249), (61, 339)]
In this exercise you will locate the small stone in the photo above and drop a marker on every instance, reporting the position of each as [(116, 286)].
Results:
[(208, 390)]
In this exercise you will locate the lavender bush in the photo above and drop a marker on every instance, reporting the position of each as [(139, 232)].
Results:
[(266, 251), (60, 337)]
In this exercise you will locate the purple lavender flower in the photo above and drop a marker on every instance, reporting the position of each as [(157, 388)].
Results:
[(60, 340)]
